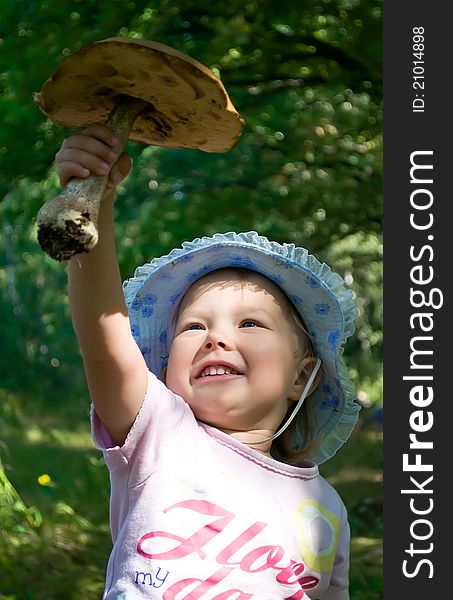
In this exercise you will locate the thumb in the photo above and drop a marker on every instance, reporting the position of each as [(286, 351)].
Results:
[(120, 170)]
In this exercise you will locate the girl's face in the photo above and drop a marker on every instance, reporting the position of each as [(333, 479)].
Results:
[(234, 358)]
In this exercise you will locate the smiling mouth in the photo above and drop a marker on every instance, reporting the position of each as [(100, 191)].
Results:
[(217, 371)]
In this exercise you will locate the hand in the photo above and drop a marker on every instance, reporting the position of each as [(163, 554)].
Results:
[(92, 151)]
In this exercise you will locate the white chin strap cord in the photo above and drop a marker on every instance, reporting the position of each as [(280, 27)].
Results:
[(296, 409)]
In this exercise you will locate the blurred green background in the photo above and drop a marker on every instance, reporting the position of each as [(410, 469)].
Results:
[(307, 78)]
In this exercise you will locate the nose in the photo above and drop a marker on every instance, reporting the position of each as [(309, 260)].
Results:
[(215, 339), (219, 344)]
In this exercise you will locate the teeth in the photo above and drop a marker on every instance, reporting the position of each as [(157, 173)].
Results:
[(218, 370)]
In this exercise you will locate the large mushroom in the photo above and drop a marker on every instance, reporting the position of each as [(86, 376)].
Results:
[(144, 91)]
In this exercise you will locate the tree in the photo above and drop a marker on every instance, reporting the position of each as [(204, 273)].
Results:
[(307, 79)]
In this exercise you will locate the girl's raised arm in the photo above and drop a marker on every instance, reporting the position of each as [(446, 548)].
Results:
[(115, 369)]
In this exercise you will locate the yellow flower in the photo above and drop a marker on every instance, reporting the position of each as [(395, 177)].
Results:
[(44, 479)]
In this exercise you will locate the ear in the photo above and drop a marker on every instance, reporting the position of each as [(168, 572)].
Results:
[(305, 370)]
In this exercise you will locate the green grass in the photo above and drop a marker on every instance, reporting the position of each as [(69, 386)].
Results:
[(54, 497)]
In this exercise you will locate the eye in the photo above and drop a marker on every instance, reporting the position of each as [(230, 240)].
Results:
[(193, 327), (249, 323)]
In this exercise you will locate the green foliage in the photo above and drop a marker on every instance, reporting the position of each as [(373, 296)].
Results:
[(306, 76), (15, 516), (307, 80)]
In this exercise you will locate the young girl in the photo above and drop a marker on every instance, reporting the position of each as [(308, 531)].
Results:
[(217, 388)]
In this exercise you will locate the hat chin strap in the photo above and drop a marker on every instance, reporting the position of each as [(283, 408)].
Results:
[(296, 409)]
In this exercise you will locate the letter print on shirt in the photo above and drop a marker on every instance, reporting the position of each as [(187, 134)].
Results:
[(241, 553)]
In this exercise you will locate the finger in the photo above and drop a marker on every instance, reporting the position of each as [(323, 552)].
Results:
[(87, 144), (120, 170), (85, 159), (102, 133), (68, 170)]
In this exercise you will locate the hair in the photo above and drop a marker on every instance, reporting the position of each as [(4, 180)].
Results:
[(283, 447)]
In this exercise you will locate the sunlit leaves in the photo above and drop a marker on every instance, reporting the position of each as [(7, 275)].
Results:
[(307, 169)]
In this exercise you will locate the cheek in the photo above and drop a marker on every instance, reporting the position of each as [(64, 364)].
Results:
[(175, 380), (175, 366), (271, 351), (274, 364), (179, 363)]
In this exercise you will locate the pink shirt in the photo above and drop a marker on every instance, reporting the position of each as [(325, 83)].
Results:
[(196, 514)]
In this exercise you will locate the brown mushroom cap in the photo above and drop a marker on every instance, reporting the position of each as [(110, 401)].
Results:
[(188, 105)]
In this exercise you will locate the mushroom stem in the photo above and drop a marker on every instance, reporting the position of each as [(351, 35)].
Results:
[(67, 224)]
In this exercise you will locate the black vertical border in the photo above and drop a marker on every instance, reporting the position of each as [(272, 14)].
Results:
[(406, 131)]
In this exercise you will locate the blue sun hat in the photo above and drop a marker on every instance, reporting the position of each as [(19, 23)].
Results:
[(327, 307)]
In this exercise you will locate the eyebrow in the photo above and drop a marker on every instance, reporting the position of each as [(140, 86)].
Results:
[(255, 309)]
